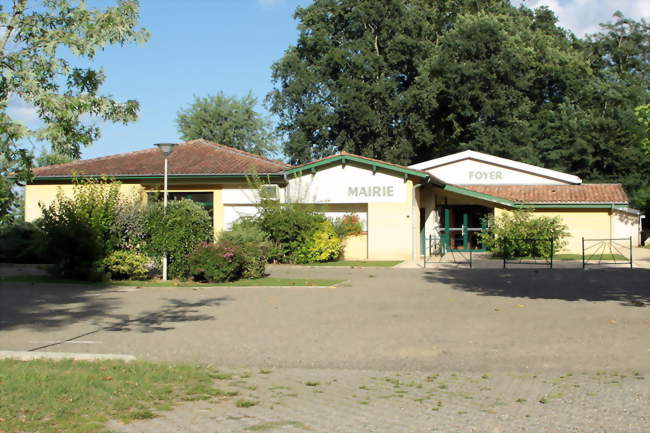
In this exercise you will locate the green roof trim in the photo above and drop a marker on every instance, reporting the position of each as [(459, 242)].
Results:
[(479, 195), (352, 158)]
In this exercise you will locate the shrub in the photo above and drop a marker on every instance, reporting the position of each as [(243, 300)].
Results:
[(217, 263), (175, 232), (130, 226), (23, 243), (520, 234), (253, 246), (288, 226), (321, 246), (79, 229), (347, 225), (123, 265)]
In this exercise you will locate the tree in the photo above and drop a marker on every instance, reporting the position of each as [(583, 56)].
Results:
[(416, 80), (35, 71), (50, 158), (227, 120)]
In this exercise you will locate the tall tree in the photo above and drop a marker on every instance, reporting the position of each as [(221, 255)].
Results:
[(34, 71), (421, 79), (34, 34), (227, 120)]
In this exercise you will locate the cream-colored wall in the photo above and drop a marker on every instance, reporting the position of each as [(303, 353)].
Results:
[(390, 228), (473, 172), (46, 194), (587, 223), (355, 247), (626, 225)]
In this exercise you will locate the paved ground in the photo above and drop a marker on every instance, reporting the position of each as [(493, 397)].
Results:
[(523, 329)]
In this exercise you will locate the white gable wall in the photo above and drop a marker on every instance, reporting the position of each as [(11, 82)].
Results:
[(472, 172), (349, 184)]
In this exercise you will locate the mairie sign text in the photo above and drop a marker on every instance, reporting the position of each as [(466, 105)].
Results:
[(371, 191)]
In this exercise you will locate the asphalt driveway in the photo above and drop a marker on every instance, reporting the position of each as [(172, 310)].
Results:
[(380, 319)]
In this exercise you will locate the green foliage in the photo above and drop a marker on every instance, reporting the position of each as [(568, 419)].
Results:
[(321, 245), (227, 120), (35, 73), (79, 229), (175, 232), (520, 234), (253, 247), (130, 225), (288, 226), (215, 263), (643, 116), (45, 158), (125, 265), (347, 225), (23, 243)]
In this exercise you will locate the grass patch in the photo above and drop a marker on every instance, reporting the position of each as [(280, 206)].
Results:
[(568, 256), (260, 282), (272, 425), (245, 403), (80, 397), (360, 263)]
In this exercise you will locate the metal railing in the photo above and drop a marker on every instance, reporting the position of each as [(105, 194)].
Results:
[(613, 251), (527, 251)]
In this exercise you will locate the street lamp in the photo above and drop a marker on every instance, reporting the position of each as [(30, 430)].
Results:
[(166, 149)]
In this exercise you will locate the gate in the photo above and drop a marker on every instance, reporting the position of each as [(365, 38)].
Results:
[(437, 251), (615, 251)]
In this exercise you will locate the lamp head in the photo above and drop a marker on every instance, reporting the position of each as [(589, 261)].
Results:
[(166, 148)]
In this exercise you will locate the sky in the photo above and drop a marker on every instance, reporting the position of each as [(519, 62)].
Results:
[(201, 47)]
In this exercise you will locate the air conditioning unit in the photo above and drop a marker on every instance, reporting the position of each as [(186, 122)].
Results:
[(270, 192)]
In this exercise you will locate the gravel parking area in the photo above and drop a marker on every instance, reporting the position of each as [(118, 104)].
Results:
[(379, 347)]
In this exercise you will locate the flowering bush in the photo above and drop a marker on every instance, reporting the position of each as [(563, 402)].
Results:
[(217, 263), (347, 225), (321, 246), (253, 245)]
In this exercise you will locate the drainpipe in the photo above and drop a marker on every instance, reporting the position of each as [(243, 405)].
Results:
[(415, 246)]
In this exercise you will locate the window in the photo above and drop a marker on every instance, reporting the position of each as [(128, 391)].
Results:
[(271, 192)]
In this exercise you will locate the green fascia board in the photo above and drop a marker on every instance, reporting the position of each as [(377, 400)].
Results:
[(479, 195), (573, 205), (160, 176), (351, 158)]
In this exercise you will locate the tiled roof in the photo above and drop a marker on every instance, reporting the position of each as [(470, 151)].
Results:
[(585, 193), (191, 157)]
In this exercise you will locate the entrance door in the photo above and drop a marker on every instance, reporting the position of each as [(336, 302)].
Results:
[(423, 217), (462, 225)]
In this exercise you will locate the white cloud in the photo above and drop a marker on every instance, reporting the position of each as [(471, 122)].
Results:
[(583, 16), (21, 111)]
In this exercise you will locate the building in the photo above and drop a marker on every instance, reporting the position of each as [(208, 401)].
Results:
[(400, 207)]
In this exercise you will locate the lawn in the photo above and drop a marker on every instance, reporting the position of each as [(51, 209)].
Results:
[(80, 397), (260, 282), (360, 263), (568, 256)]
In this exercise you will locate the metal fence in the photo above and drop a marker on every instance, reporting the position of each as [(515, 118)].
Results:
[(614, 251), (437, 251)]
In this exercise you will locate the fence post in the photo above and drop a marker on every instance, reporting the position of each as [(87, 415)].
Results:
[(552, 251), (583, 253), (630, 252), (503, 251), (470, 259)]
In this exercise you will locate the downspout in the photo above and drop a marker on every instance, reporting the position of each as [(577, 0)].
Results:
[(415, 246)]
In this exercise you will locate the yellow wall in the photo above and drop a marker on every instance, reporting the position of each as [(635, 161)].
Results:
[(47, 193), (355, 247), (390, 228), (587, 223)]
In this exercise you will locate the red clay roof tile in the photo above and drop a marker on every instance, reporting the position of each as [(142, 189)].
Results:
[(191, 157), (585, 193)]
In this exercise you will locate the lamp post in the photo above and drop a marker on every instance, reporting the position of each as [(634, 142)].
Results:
[(166, 149)]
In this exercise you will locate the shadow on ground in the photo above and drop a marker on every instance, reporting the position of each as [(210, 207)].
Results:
[(43, 307), (631, 287)]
